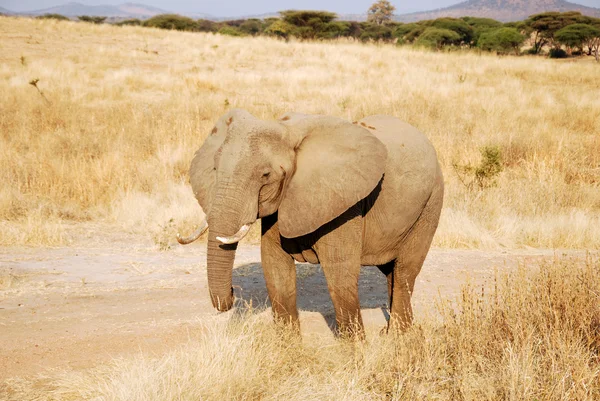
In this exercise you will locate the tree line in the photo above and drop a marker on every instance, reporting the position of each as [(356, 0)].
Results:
[(558, 34)]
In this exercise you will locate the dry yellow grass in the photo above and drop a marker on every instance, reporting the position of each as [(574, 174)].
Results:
[(127, 107), (534, 336)]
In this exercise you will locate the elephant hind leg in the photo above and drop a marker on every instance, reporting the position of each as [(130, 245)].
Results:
[(388, 270), (410, 259)]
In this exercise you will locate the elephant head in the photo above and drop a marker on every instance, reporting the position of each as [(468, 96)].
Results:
[(309, 169)]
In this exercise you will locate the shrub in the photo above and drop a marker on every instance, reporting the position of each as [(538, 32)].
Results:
[(558, 53), (172, 22), (484, 174), (91, 19), (501, 40), (132, 21), (372, 31), (306, 17), (437, 38), (53, 16), (252, 27), (230, 31), (334, 30), (280, 29), (577, 35), (204, 25), (408, 33), (460, 27), (481, 25)]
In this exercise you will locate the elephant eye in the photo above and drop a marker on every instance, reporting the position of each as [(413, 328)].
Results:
[(266, 175)]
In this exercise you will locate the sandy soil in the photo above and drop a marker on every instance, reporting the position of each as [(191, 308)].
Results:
[(79, 306)]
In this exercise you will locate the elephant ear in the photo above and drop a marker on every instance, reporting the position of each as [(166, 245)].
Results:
[(202, 169), (337, 165)]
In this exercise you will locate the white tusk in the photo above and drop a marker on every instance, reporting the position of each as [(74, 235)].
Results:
[(188, 240), (237, 237)]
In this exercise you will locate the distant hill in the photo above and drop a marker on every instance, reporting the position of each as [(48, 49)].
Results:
[(127, 10), (501, 10)]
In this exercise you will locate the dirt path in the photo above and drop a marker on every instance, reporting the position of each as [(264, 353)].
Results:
[(80, 306)]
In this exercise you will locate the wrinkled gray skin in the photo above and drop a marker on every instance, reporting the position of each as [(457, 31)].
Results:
[(327, 191)]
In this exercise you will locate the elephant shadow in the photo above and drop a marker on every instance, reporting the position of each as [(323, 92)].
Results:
[(312, 292)]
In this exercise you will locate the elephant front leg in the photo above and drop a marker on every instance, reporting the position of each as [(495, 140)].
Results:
[(339, 252), (280, 274), (342, 281)]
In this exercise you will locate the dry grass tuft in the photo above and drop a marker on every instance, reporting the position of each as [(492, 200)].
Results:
[(534, 336), (116, 125)]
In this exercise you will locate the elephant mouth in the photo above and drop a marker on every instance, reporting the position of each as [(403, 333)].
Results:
[(237, 237)]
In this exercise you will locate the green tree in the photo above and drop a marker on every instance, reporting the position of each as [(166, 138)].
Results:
[(437, 38), (501, 40), (408, 33), (204, 25), (306, 17), (543, 27), (307, 24), (381, 12), (460, 27), (481, 25), (172, 22), (280, 29), (252, 27), (230, 31), (375, 32), (578, 36), (91, 19), (334, 29)]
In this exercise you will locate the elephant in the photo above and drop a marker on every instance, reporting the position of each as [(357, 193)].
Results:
[(330, 191)]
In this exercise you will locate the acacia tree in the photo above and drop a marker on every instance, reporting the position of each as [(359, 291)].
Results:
[(437, 38), (545, 25), (381, 12), (501, 40), (578, 36)]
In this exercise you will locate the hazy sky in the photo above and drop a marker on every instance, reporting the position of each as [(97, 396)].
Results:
[(246, 7)]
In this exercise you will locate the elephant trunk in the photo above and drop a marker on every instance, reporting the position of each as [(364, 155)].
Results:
[(220, 267), (226, 217)]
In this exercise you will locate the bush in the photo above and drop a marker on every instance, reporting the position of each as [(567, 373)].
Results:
[(204, 25), (408, 33), (280, 29), (460, 27), (311, 24), (252, 27), (501, 40), (437, 38), (230, 31), (481, 25), (307, 17), (91, 19), (334, 30), (558, 53), (172, 22), (577, 35), (485, 174), (53, 16), (372, 31), (132, 21)]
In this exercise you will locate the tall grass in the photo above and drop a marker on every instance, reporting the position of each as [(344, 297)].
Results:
[(535, 334), (127, 107)]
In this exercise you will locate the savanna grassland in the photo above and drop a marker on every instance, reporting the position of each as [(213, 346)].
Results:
[(98, 125), (124, 109)]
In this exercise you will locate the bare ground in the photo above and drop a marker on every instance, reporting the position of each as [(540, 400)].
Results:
[(79, 306)]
